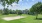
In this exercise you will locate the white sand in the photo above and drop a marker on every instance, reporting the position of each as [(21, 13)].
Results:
[(12, 18)]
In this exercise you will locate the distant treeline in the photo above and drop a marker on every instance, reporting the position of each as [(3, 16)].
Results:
[(35, 9), (7, 11)]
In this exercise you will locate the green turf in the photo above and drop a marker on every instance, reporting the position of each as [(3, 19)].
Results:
[(28, 19)]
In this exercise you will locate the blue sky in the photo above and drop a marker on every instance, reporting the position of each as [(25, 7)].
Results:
[(22, 5)]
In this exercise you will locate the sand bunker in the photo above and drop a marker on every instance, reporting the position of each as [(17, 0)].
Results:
[(12, 18)]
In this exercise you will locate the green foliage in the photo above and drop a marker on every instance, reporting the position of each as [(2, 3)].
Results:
[(0, 11), (19, 12), (37, 7), (12, 11), (8, 2), (26, 11), (5, 11)]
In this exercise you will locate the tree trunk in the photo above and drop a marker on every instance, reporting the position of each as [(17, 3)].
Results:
[(36, 16)]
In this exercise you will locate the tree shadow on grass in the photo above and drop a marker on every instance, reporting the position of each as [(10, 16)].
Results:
[(39, 19)]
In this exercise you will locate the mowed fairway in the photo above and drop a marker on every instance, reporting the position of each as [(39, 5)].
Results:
[(28, 19)]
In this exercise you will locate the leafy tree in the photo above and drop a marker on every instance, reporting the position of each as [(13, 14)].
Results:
[(5, 11), (19, 12), (26, 11), (0, 11), (36, 8), (12, 11), (8, 2)]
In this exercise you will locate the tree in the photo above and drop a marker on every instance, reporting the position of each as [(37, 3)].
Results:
[(26, 11), (0, 11), (8, 2), (12, 11), (19, 12), (36, 8), (5, 11)]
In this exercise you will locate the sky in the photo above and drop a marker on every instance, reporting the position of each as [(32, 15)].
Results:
[(22, 5)]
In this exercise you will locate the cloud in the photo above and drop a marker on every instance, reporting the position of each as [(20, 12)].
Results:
[(15, 5)]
